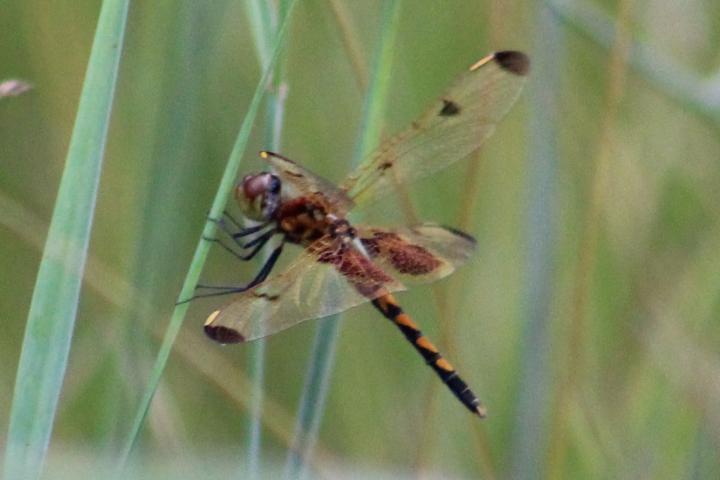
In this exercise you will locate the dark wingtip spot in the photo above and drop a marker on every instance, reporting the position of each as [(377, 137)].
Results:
[(223, 334), (514, 62), (460, 233), (449, 108), (385, 165)]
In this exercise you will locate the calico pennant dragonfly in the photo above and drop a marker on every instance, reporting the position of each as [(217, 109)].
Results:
[(344, 265)]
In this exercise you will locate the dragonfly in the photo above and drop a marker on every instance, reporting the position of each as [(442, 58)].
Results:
[(344, 265)]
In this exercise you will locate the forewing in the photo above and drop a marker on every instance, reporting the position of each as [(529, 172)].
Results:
[(452, 128), (302, 182), (328, 277), (419, 254)]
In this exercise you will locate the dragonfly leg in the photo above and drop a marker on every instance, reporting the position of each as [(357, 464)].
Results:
[(258, 243), (239, 231), (388, 306), (232, 219), (261, 240), (230, 289)]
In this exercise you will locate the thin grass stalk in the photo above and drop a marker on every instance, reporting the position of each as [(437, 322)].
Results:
[(374, 112), (264, 20), (170, 145), (498, 14), (588, 244), (206, 360), (535, 373), (351, 42), (54, 304), (203, 247), (685, 87), (317, 379)]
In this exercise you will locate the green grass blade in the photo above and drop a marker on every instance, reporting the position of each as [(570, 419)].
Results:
[(317, 379), (263, 19), (312, 402), (673, 79), (53, 308), (372, 121), (201, 252), (263, 25), (535, 372)]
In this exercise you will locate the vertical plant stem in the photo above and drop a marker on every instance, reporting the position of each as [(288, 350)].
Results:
[(54, 304), (351, 42), (172, 144), (530, 433), (588, 243), (372, 121), (317, 379), (203, 247), (264, 20), (677, 82)]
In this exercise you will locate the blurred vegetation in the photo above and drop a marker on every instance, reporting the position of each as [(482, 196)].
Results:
[(585, 321)]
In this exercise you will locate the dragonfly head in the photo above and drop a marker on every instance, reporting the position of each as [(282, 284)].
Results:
[(258, 195)]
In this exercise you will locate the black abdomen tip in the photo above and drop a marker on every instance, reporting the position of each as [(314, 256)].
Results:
[(513, 61)]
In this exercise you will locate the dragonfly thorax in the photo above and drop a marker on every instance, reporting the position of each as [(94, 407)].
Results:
[(304, 219), (259, 195)]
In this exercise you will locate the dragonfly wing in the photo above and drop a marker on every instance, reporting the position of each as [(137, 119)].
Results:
[(451, 129), (328, 277), (419, 254), (302, 182)]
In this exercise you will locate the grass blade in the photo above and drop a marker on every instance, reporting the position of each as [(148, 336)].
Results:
[(53, 308), (264, 19), (201, 252), (351, 42), (372, 121), (535, 372), (317, 379), (677, 82)]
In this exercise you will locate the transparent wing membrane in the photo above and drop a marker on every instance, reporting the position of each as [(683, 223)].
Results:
[(328, 277), (302, 182), (453, 127)]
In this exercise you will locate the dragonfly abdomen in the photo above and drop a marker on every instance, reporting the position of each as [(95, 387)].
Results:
[(391, 310)]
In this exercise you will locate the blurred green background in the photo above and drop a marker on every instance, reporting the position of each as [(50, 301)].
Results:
[(584, 322)]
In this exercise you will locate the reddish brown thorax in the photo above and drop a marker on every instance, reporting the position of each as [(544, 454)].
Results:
[(304, 219)]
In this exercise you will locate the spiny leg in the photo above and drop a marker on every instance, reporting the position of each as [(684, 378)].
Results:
[(391, 310), (229, 289), (233, 220), (259, 278), (257, 243), (241, 231)]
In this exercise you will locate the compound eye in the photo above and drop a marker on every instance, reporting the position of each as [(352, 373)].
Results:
[(274, 185), (255, 185)]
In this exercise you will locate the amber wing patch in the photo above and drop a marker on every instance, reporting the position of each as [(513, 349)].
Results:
[(419, 254), (367, 278), (405, 257)]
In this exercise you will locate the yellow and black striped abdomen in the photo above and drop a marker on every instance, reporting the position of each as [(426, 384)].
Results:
[(389, 307)]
